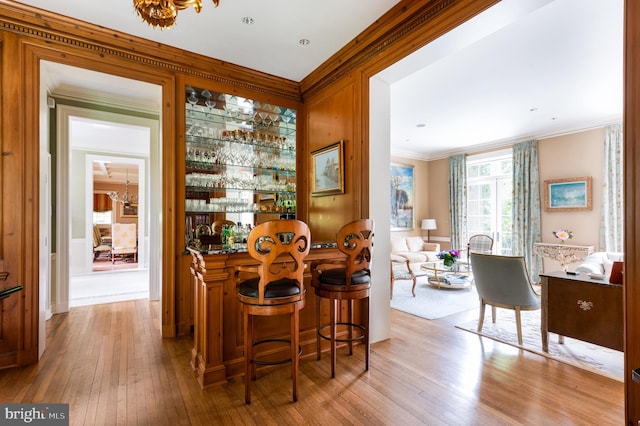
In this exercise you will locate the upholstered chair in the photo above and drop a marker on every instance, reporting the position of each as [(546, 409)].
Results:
[(503, 281)]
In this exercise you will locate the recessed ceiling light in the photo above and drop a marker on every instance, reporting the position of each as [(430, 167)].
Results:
[(421, 125), (304, 41), (247, 20)]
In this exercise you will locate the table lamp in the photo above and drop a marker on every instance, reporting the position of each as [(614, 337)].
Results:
[(428, 225)]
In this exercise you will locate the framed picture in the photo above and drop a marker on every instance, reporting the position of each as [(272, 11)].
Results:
[(130, 210), (563, 195), (401, 197), (328, 170)]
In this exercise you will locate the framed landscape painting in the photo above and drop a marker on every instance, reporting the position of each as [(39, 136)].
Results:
[(401, 197), (563, 195), (130, 210), (328, 170)]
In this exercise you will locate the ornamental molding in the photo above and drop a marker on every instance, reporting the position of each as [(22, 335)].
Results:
[(585, 305), (565, 254), (67, 33)]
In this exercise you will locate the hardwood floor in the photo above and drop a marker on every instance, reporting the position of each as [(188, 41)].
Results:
[(112, 367)]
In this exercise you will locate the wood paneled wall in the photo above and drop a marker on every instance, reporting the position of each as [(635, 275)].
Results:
[(631, 134), (330, 118), (335, 100)]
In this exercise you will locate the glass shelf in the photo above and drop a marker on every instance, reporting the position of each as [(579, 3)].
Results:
[(240, 158)]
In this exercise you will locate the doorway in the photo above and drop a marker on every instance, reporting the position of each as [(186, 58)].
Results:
[(489, 199), (103, 278), (86, 129)]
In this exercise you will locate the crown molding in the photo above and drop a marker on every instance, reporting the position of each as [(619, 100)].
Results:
[(57, 30)]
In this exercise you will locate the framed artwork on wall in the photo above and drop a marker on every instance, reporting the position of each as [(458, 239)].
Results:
[(564, 195), (129, 210), (402, 198), (328, 170)]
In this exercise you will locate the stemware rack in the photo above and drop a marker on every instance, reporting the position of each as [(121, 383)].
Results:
[(240, 155)]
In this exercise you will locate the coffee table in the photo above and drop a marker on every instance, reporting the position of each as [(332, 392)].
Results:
[(443, 277)]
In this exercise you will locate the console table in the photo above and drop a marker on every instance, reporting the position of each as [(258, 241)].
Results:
[(582, 308), (565, 254)]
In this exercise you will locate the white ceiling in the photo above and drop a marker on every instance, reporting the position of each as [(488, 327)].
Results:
[(523, 69), (270, 44)]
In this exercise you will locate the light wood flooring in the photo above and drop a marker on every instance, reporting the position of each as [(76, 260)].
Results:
[(112, 367)]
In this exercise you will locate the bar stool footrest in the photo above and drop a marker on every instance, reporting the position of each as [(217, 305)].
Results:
[(344, 340), (276, 362)]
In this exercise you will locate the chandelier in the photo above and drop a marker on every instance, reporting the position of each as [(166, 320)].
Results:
[(126, 198), (163, 13)]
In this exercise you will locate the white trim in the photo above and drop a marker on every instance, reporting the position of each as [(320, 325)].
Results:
[(492, 155), (60, 301), (380, 206)]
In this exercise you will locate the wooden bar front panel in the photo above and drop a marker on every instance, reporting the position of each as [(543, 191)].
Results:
[(217, 354), (584, 309)]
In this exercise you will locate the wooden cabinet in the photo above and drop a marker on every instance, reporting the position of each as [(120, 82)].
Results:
[(582, 308)]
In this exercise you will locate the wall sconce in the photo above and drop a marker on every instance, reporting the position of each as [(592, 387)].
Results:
[(428, 225)]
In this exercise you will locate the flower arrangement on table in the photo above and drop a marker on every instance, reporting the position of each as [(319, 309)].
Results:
[(563, 234), (448, 257)]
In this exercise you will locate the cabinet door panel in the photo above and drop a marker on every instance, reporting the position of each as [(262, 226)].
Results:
[(586, 311)]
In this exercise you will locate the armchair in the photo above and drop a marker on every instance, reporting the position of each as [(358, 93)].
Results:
[(124, 241), (503, 281), (99, 246)]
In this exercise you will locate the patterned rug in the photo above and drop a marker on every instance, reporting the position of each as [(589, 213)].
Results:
[(431, 303), (581, 354)]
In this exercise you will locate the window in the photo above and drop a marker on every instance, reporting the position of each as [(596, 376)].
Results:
[(490, 199), (102, 217)]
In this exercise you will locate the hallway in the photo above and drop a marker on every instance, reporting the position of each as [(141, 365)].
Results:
[(107, 287)]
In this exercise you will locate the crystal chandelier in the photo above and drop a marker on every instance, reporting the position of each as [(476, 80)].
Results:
[(163, 13), (126, 198)]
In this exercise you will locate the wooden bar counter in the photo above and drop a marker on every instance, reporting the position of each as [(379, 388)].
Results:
[(217, 353)]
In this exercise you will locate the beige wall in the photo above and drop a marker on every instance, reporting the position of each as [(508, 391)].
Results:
[(574, 155), (569, 156), (438, 206), (117, 208)]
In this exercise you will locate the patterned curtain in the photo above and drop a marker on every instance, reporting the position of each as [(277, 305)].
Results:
[(526, 205), (611, 221), (458, 200)]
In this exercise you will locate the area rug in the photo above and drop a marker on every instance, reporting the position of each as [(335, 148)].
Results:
[(597, 359), (431, 302)]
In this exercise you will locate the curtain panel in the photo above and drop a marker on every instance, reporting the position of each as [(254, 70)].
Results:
[(612, 213), (458, 201), (526, 205)]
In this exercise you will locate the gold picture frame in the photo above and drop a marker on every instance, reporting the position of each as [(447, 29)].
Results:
[(130, 210), (328, 170), (568, 195)]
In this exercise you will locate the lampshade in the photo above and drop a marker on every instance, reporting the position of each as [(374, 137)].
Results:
[(428, 224)]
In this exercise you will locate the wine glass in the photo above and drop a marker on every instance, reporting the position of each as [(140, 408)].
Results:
[(210, 103), (193, 96)]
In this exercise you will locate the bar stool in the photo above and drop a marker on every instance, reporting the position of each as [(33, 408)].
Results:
[(349, 279), (280, 246)]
